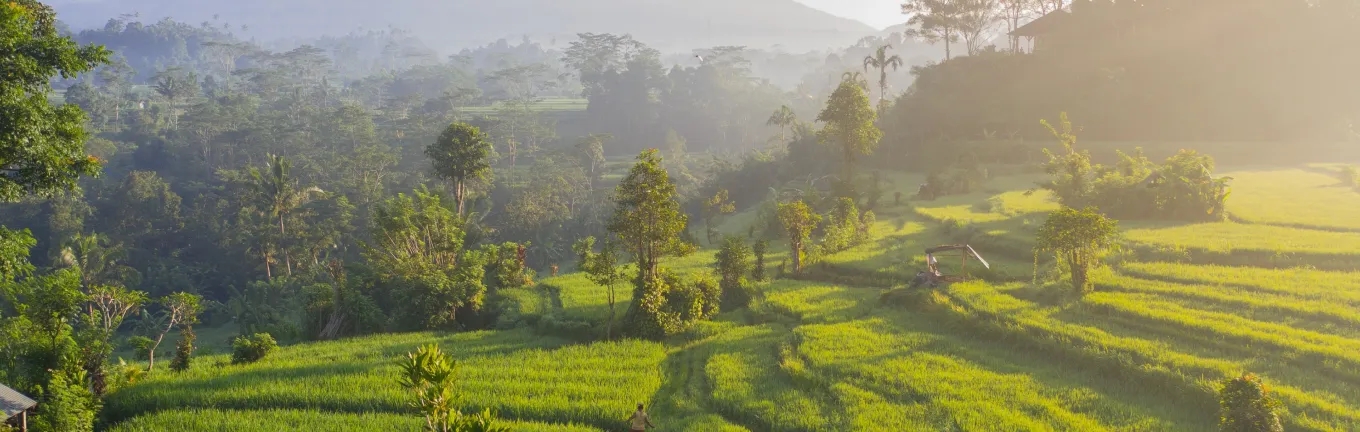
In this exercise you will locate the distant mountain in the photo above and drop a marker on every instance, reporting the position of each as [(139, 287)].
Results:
[(447, 25)]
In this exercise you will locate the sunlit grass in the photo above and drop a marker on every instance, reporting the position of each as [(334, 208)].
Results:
[(525, 377), (258, 420), (1297, 197)]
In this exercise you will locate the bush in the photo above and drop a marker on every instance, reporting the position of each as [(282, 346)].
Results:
[(734, 263), (250, 349), (667, 305), (184, 351), (1247, 406)]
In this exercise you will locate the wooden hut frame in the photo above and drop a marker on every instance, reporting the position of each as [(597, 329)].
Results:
[(963, 251)]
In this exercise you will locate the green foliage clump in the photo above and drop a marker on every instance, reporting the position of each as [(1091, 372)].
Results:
[(605, 269), (1077, 238), (666, 305), (184, 351), (506, 266), (798, 221), (842, 227), (431, 375), (1182, 188), (1247, 406), (250, 349), (733, 265), (421, 265), (759, 250), (67, 404), (850, 128)]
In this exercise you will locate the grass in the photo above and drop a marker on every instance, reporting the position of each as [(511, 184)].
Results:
[(255, 420), (1314, 197), (1274, 293)]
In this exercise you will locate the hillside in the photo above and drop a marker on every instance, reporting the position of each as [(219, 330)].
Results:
[(448, 25), (1145, 352)]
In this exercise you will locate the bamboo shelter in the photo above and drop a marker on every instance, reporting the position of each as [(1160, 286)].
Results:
[(933, 276)]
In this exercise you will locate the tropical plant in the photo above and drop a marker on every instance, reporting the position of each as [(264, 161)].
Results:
[(1247, 405), (461, 155), (798, 220), (849, 129), (882, 61), (1077, 238)]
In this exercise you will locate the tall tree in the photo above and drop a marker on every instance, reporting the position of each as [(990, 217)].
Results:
[(934, 21), (849, 128), (882, 61), (647, 217), (278, 197), (42, 147), (176, 85), (974, 20), (461, 154), (785, 119)]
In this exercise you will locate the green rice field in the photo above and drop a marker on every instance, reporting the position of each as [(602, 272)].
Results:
[(1275, 292)]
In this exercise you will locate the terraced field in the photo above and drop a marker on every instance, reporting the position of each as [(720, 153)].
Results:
[(1275, 293)]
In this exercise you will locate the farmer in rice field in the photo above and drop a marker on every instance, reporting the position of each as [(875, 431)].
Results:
[(639, 421)]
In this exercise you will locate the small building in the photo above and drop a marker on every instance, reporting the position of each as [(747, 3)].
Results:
[(14, 408), (1039, 33)]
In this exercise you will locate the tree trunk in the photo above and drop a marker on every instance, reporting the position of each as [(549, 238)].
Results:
[(268, 275), (458, 195), (797, 257), (948, 34)]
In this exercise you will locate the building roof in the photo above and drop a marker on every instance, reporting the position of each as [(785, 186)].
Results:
[(1043, 24), (13, 403)]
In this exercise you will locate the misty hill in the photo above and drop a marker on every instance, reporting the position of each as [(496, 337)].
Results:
[(450, 24)]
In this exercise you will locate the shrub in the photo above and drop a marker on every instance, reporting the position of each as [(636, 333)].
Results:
[(184, 351), (734, 263), (758, 270), (250, 349), (1247, 406), (666, 305), (1181, 188), (1077, 238), (842, 227)]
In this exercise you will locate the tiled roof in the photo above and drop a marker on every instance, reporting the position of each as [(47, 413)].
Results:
[(12, 403)]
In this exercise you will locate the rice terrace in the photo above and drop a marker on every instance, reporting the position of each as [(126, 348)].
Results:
[(994, 215)]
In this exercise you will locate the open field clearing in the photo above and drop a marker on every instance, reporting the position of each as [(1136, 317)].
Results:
[(1145, 352), (255, 420), (1309, 198)]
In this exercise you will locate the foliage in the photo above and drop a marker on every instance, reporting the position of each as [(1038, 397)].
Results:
[(184, 351), (252, 348), (604, 268), (1077, 238), (850, 128), (798, 221), (177, 310), (461, 155), (1248, 406), (1350, 176), (647, 218), (667, 305), (759, 249), (733, 267), (67, 405), (506, 265), (44, 145), (1182, 188), (431, 375), (842, 229), (417, 252), (714, 207)]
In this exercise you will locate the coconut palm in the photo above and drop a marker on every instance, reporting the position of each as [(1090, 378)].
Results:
[(278, 196), (882, 61)]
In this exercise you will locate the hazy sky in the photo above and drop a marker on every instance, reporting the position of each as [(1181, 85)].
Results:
[(877, 13)]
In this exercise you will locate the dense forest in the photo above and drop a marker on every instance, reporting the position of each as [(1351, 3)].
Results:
[(174, 175)]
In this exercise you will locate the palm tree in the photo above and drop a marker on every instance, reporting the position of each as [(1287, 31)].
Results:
[(94, 256), (278, 196), (784, 118), (881, 61)]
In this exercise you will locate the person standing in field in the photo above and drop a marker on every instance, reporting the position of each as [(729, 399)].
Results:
[(639, 421)]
